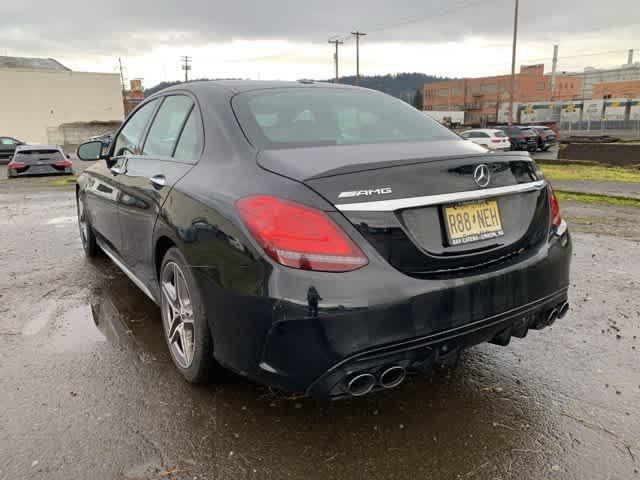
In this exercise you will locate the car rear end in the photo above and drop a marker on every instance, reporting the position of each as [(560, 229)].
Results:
[(421, 249), (499, 141), (35, 160)]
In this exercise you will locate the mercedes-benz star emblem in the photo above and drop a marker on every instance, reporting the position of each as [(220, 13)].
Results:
[(482, 175)]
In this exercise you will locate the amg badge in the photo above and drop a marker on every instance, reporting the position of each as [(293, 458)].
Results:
[(366, 193)]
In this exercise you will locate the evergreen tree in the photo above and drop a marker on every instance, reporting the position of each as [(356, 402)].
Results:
[(417, 99)]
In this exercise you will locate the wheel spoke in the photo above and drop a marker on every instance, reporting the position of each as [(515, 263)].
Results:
[(178, 314)]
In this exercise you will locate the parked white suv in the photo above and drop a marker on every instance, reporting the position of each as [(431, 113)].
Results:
[(487, 137)]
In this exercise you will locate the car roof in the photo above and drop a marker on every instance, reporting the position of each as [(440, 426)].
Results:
[(239, 86), (484, 130), (37, 147)]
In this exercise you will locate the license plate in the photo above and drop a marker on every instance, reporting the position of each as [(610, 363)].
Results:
[(473, 222)]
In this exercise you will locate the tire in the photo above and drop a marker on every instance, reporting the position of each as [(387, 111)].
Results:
[(87, 237), (184, 320)]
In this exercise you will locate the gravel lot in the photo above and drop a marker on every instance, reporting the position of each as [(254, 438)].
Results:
[(88, 389)]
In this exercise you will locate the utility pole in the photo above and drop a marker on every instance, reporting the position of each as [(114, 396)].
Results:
[(358, 34), (513, 62), (124, 96), (337, 43), (186, 66), (554, 68)]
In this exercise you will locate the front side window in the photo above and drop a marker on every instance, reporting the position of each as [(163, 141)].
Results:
[(6, 141), (167, 126), (130, 136), (308, 117)]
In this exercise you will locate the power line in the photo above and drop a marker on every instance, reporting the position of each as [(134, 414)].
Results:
[(407, 21)]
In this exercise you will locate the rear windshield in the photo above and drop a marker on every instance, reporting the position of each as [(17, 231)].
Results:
[(499, 133), (55, 154), (38, 152), (309, 117)]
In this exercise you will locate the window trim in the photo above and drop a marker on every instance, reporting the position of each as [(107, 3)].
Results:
[(200, 130), (112, 148)]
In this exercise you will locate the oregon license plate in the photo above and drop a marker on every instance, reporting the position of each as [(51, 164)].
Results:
[(472, 222)]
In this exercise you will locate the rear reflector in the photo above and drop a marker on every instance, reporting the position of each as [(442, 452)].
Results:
[(299, 236)]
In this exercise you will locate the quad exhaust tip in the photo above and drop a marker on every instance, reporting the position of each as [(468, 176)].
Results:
[(361, 384), (392, 376)]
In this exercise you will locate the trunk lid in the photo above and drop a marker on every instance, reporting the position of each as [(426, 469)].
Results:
[(401, 198)]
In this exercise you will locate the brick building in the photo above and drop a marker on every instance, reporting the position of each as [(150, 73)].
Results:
[(481, 97), (624, 89)]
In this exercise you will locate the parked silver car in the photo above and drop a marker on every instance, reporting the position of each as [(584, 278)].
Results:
[(39, 160)]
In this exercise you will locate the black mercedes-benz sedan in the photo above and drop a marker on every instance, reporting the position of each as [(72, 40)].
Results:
[(321, 238)]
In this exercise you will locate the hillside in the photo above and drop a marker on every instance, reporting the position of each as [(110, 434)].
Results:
[(401, 85)]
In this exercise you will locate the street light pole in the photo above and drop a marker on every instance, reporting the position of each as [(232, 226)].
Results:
[(513, 62)]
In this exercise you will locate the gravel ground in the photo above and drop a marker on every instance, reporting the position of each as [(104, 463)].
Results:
[(88, 390)]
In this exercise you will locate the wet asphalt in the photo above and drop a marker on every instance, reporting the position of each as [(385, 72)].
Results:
[(87, 389)]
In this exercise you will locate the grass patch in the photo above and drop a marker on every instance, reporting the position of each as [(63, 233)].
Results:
[(597, 199), (590, 172), (64, 181)]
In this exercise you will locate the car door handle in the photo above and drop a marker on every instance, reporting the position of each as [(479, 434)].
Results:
[(158, 181)]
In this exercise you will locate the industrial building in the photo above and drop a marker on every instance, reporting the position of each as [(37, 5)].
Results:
[(486, 100), (591, 77), (481, 98), (45, 102)]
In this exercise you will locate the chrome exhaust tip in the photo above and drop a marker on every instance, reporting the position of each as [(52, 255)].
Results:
[(562, 311), (552, 317), (392, 376), (361, 384)]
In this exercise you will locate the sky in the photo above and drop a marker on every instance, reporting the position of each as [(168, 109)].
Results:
[(287, 39)]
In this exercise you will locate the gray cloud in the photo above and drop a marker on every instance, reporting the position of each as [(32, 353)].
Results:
[(45, 27)]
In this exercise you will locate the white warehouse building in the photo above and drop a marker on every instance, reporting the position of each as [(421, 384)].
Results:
[(42, 101)]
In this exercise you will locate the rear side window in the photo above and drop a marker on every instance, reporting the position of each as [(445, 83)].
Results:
[(167, 125), (131, 135), (6, 141), (308, 117), (189, 146)]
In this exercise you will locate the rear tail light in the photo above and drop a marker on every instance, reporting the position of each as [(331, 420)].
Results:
[(496, 140), (63, 163), (16, 166), (556, 219), (298, 236)]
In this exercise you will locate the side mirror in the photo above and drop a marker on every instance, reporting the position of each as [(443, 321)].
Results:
[(89, 151)]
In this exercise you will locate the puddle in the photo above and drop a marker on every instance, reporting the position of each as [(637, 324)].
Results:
[(76, 330)]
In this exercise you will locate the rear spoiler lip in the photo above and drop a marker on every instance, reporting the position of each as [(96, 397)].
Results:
[(365, 167), (443, 198)]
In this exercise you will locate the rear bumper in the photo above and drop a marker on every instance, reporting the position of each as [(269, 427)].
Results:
[(41, 170), (310, 332)]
